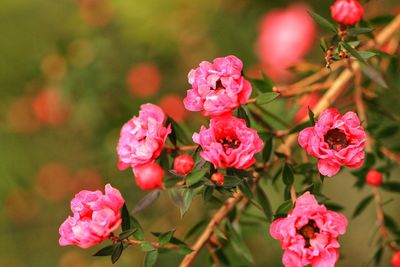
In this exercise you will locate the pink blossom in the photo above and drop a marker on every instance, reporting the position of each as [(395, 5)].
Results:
[(347, 12), (335, 140), (217, 87), (286, 36), (228, 142), (95, 217), (142, 138), (309, 234)]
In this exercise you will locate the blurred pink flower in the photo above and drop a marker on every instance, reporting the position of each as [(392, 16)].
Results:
[(286, 36), (335, 140), (396, 259), (217, 87), (228, 142), (144, 80), (50, 108), (347, 12), (309, 234), (95, 217), (142, 138), (307, 100)]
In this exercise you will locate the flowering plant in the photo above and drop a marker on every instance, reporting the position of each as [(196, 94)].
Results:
[(242, 147)]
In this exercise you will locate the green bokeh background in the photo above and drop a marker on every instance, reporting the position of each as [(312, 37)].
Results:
[(175, 35)]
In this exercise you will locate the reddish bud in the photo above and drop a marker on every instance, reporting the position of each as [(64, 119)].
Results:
[(149, 176), (347, 12), (396, 259), (374, 178), (183, 164), (218, 179)]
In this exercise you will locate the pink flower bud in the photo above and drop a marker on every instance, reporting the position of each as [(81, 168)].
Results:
[(374, 178), (347, 12), (149, 176), (396, 259), (183, 164), (218, 179)]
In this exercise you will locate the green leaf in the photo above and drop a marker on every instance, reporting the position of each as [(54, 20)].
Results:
[(164, 238), (300, 127), (265, 204), (146, 246), (182, 198), (352, 51), (106, 251), (267, 149), (150, 258), (177, 134), (357, 31), (333, 206), (266, 98), (323, 44), (242, 114), (138, 234), (126, 224), (172, 181), (246, 189), (391, 186), (195, 229), (146, 201), (183, 250), (195, 176), (284, 208), (323, 22), (207, 193), (238, 243), (263, 86), (117, 252), (367, 54), (387, 131), (374, 75), (231, 181), (287, 174), (126, 234), (362, 205), (311, 116)]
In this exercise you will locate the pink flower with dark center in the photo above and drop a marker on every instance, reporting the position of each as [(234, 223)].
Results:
[(335, 140), (228, 142), (142, 138), (217, 87), (347, 12), (95, 217), (309, 234)]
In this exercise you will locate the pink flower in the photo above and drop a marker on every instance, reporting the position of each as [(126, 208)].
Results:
[(309, 234), (228, 142), (217, 87), (149, 176), (335, 140), (347, 12), (95, 217), (286, 36), (142, 138)]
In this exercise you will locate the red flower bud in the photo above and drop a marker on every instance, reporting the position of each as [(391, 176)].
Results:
[(374, 178), (218, 179), (396, 259), (183, 164), (347, 12), (149, 176)]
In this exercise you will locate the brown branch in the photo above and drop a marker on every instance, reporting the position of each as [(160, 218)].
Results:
[(154, 244)]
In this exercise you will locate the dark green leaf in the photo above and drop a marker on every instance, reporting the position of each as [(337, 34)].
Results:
[(184, 250), (177, 134), (242, 114), (390, 223), (323, 44), (117, 252), (262, 86), (164, 238), (195, 229), (195, 176), (231, 181), (126, 224), (207, 193), (238, 244), (127, 233), (266, 97), (284, 208), (150, 258), (362, 205), (311, 116), (357, 31), (391, 186), (333, 206), (106, 251), (146, 201), (267, 150), (300, 127), (280, 155), (146, 246), (188, 195), (373, 74), (138, 234), (352, 51), (246, 189), (172, 181), (367, 54), (387, 131), (323, 22), (287, 174), (265, 204)]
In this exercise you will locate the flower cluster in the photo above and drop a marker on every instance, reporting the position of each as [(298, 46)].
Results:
[(95, 216)]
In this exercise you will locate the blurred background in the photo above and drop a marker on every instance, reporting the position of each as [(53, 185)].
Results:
[(73, 71)]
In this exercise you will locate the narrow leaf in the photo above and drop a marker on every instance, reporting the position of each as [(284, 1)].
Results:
[(323, 22), (126, 224), (266, 98), (150, 258), (357, 31), (117, 252), (265, 204), (311, 116), (138, 234), (362, 205), (284, 208), (391, 186), (164, 238), (127, 234), (352, 51), (374, 75), (106, 251), (195, 229), (287, 174), (242, 114), (231, 181), (146, 201), (195, 176), (238, 244)]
